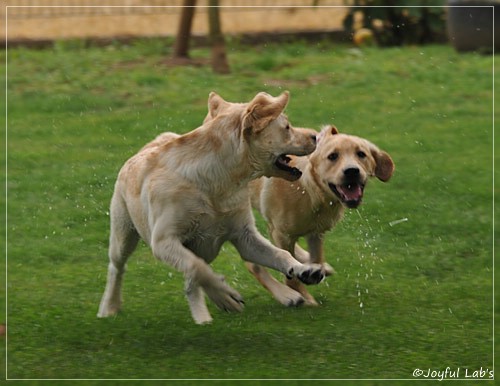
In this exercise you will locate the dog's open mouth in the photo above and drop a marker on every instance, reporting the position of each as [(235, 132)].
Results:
[(282, 163), (349, 193)]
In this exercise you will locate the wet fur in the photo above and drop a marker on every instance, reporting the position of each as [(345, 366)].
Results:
[(185, 195), (309, 207)]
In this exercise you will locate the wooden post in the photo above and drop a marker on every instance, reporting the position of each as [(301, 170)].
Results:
[(219, 58), (181, 47)]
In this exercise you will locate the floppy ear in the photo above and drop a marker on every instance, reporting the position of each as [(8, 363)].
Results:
[(264, 108), (215, 105), (385, 165)]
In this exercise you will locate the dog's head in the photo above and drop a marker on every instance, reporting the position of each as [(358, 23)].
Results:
[(266, 133), (343, 163)]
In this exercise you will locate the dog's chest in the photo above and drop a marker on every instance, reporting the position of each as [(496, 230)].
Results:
[(208, 226), (206, 235), (318, 219), (326, 216), (214, 225)]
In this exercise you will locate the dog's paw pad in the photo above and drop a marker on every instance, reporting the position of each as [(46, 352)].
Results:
[(312, 276)]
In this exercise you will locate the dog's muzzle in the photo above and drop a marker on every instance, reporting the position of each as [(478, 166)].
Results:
[(350, 192)]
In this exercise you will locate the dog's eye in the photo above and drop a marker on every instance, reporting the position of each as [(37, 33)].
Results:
[(287, 127), (333, 156), (361, 154)]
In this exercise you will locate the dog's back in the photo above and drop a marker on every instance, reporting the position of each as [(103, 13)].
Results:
[(160, 140)]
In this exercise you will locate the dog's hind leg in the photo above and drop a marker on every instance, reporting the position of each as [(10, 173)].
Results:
[(122, 242)]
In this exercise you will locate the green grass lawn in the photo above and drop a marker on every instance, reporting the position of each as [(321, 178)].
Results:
[(417, 294)]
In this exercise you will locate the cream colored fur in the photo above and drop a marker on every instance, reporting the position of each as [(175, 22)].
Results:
[(185, 195), (313, 205)]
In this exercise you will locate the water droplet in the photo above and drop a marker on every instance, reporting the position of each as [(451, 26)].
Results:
[(396, 222)]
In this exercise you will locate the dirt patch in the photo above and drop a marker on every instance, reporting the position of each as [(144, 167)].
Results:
[(49, 24)]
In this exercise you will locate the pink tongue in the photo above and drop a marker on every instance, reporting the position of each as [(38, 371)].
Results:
[(351, 192)]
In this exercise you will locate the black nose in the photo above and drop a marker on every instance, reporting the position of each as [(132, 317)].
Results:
[(351, 172)]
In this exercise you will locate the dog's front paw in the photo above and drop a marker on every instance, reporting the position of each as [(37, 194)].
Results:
[(288, 296), (308, 273)]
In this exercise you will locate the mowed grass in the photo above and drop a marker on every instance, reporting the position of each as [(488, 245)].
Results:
[(417, 294)]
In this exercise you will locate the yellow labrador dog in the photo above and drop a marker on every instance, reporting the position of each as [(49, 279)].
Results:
[(185, 195), (334, 177)]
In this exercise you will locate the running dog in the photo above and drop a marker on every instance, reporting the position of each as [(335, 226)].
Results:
[(334, 178), (185, 195)]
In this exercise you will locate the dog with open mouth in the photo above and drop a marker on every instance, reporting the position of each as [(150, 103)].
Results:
[(185, 195), (334, 178)]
